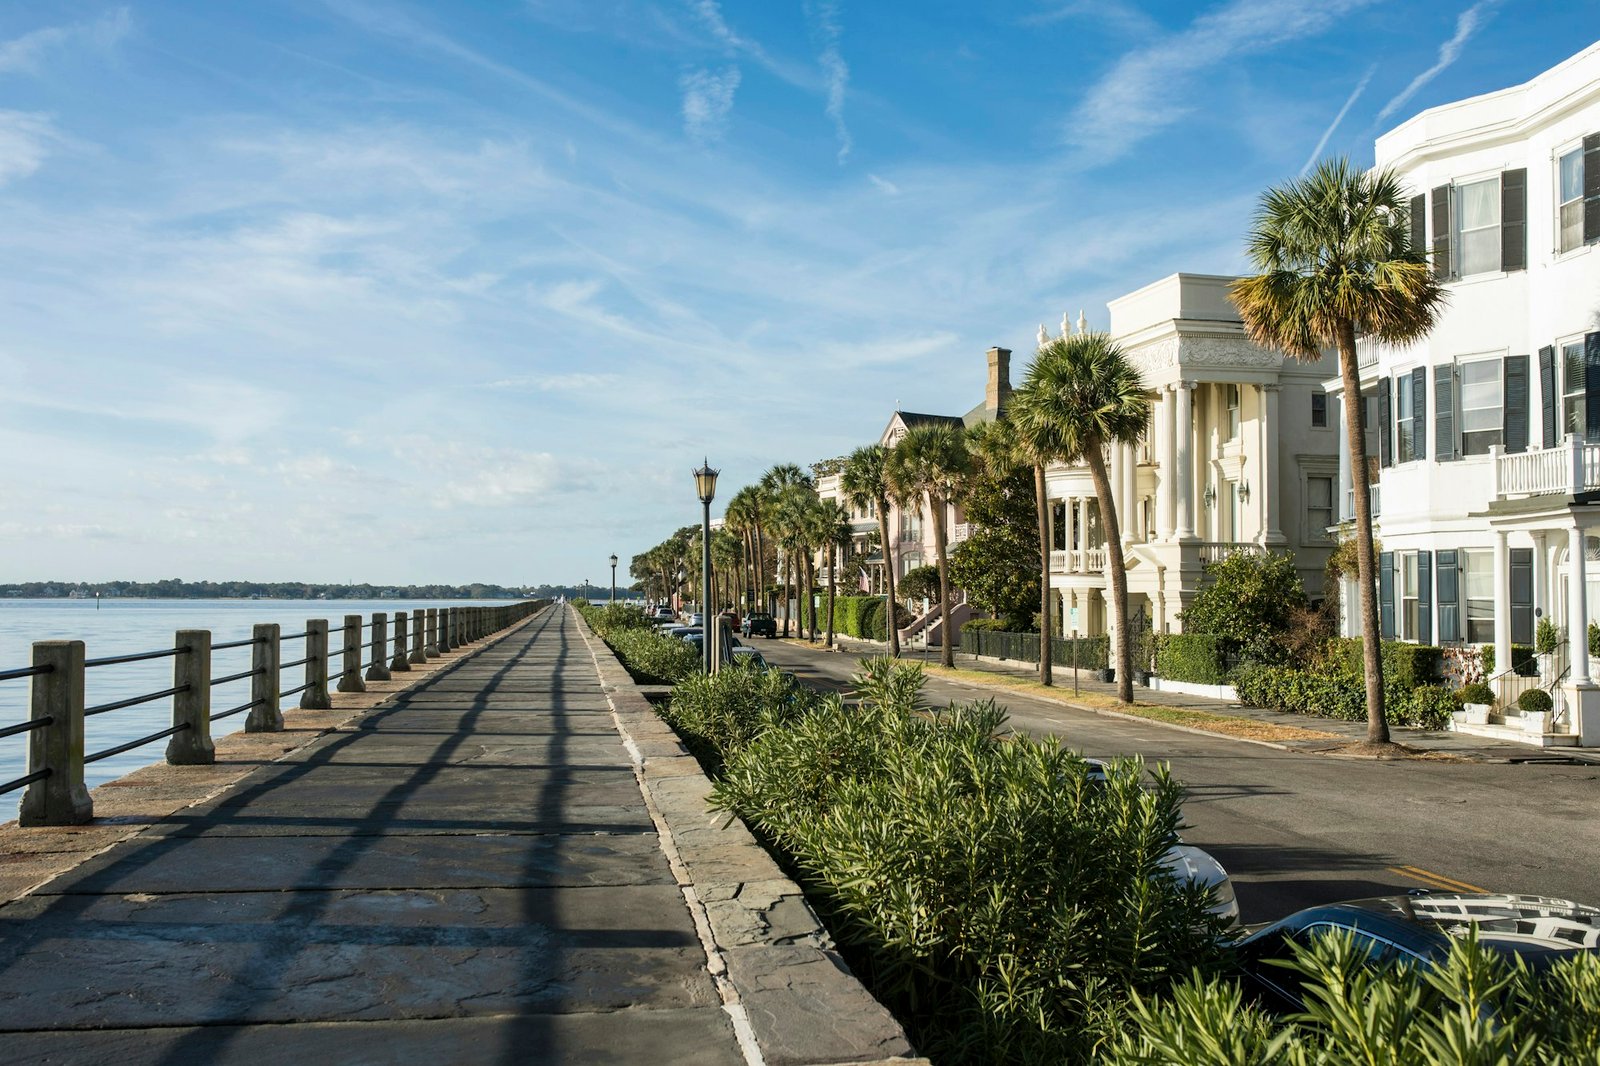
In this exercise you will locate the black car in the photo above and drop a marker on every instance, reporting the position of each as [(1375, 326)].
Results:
[(759, 624), (1418, 929)]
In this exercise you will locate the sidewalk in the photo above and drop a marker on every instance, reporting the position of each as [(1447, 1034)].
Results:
[(471, 872), (1439, 742)]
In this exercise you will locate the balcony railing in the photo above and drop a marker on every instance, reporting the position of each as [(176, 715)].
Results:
[(1214, 551), (961, 531), (1564, 470), (1078, 561)]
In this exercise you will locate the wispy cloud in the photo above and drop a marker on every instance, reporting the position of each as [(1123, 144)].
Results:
[(824, 17), (1328, 133), (24, 143), (884, 185), (710, 14), (1144, 92), (1113, 14), (25, 54), (1467, 23), (707, 103), (577, 382)]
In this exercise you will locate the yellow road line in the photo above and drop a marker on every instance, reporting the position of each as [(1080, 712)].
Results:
[(1433, 880)]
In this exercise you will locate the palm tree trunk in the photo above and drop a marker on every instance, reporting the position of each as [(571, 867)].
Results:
[(1366, 563), (947, 655), (1114, 563), (888, 577), (761, 564), (833, 580), (788, 582), (1046, 618), (810, 603)]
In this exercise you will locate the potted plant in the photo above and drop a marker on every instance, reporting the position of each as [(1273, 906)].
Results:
[(1477, 700), (1536, 707), (1546, 638)]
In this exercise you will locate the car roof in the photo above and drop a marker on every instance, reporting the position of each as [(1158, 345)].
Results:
[(1531, 926)]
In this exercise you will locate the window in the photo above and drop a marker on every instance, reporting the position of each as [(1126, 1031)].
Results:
[(1477, 584), (1406, 428), (1231, 398), (1478, 227), (1574, 388), (1569, 221), (1408, 595), (1319, 410), (1319, 506), (1481, 422)]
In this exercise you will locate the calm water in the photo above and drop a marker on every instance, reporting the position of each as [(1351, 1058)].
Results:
[(121, 626)]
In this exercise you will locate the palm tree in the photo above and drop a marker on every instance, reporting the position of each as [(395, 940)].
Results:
[(773, 485), (740, 518), (865, 485), (931, 462), (1080, 397), (834, 535), (1001, 446), (1335, 258)]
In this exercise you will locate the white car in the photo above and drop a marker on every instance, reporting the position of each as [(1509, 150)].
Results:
[(1189, 863)]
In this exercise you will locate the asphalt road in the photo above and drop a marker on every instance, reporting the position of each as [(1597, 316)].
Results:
[(1297, 830)]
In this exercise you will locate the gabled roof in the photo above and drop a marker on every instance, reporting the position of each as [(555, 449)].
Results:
[(912, 418)]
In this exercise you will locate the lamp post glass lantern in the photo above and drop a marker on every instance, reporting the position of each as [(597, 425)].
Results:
[(613, 579), (705, 486)]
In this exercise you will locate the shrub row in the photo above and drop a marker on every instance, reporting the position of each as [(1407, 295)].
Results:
[(1002, 905), (863, 617), (1408, 665), (1193, 657), (653, 658), (1524, 661), (1332, 692)]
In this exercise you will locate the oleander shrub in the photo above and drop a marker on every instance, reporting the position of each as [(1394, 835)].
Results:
[(1478, 1006), (1195, 657), (1000, 904), (654, 658), (719, 715), (1477, 692), (1535, 701)]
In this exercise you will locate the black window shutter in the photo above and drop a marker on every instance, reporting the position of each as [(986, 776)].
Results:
[(1441, 231), (1386, 595), (1591, 188), (1419, 411), (1591, 387), (1386, 423), (1547, 393), (1419, 224), (1449, 597), (1444, 413), (1521, 598), (1514, 220), (1424, 598), (1514, 413)]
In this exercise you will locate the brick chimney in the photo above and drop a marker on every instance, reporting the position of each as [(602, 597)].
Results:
[(998, 394)]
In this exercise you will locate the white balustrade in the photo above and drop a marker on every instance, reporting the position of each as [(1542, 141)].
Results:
[(1565, 470)]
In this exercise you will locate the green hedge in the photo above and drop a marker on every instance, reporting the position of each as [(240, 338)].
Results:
[(1523, 660), (1408, 665), (1193, 657), (991, 625), (1330, 692)]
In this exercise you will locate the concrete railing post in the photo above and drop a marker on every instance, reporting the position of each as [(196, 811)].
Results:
[(419, 625), (314, 697), (399, 664), (59, 797), (432, 650), (350, 656), (379, 670), (265, 680), (446, 616), (191, 704)]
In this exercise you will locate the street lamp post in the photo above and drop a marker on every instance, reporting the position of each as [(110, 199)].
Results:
[(613, 578), (705, 484)]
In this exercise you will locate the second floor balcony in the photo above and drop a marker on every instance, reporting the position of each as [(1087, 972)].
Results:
[(1565, 470)]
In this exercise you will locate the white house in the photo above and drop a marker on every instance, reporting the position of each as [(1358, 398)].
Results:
[(1239, 457), (1486, 435)]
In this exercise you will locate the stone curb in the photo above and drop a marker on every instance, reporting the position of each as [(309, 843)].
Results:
[(142, 798), (784, 984)]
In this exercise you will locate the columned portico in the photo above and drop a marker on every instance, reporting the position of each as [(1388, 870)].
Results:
[(1577, 606), (1267, 492), (1167, 488), (1184, 465)]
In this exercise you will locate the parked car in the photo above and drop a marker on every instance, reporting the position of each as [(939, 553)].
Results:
[(1417, 928), (662, 613), (759, 624), (747, 656), (1189, 863)]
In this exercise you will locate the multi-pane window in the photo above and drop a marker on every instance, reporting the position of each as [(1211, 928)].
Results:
[(1569, 221), (1477, 585), (1231, 396), (1409, 610), (1319, 410), (1573, 389), (1406, 428), (1481, 420), (1478, 226), (1319, 506)]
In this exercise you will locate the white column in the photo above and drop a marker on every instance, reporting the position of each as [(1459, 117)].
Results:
[(1344, 509), (1119, 481), (1269, 491), (1130, 494), (1541, 580), (1167, 456), (1185, 460), (1577, 598), (1502, 603)]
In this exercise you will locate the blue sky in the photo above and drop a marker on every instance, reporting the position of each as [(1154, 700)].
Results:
[(403, 292)]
